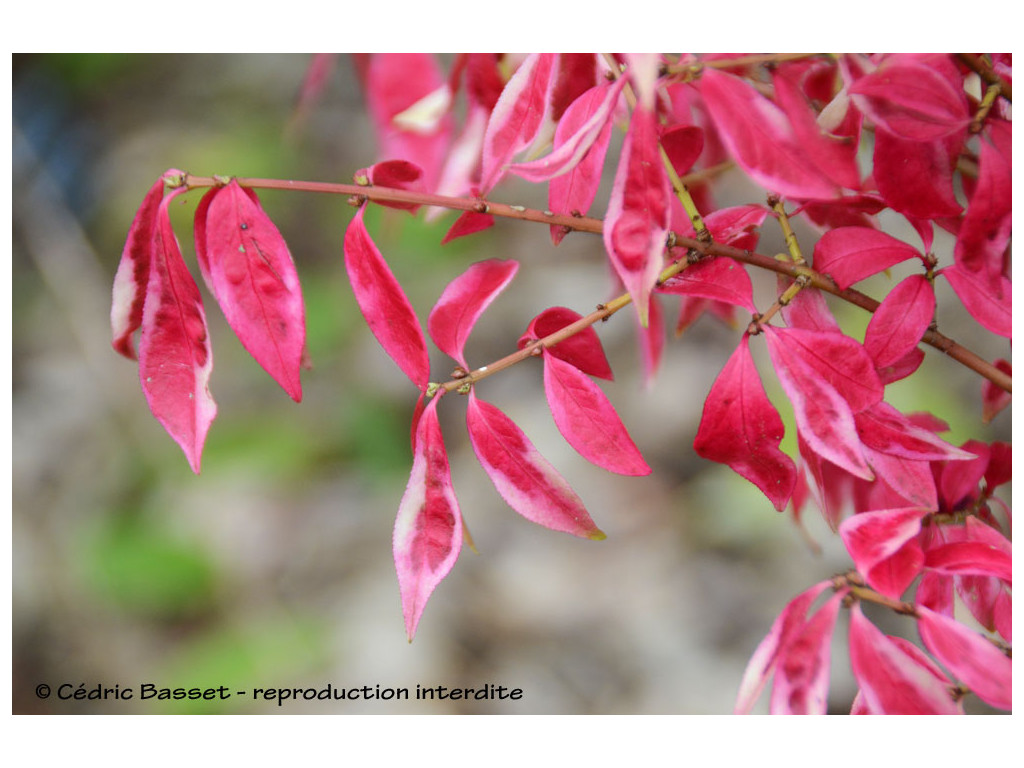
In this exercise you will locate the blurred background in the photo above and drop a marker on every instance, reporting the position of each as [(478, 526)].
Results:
[(273, 568)]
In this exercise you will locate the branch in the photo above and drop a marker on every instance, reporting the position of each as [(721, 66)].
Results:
[(935, 339)]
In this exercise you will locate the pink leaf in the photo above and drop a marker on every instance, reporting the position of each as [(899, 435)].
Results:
[(395, 174), (823, 416), (384, 304), (840, 361), (718, 278), (801, 679), (683, 145), (901, 320), (468, 223), (911, 99), (883, 428), (651, 341), (575, 190), (516, 117), (249, 269), (175, 359), (766, 656), (463, 301), (740, 427), (568, 152), (883, 547), (132, 276), (761, 139), (808, 310), (893, 681), (912, 481), (991, 308), (985, 231), (428, 529), (582, 350), (994, 399), (916, 177), (971, 557), (525, 480), (850, 254), (970, 657), (637, 220), (588, 421)]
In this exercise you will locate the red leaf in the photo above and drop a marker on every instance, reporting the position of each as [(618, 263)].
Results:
[(761, 139), (718, 278), (912, 481), (396, 174), (892, 680), (971, 658), (249, 269), (588, 421), (808, 310), (525, 480), (901, 320), (884, 548), (576, 190), (911, 99), (840, 361), (801, 679), (463, 301), (175, 359), (683, 145), (740, 427), (589, 121), (994, 399), (651, 341), (132, 276), (637, 220), (850, 254), (916, 177), (516, 117), (428, 529), (883, 428), (468, 223), (985, 231), (768, 652), (971, 557), (384, 304), (992, 309), (823, 416), (582, 350)]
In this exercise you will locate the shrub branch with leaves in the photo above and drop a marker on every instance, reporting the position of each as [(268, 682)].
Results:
[(834, 140)]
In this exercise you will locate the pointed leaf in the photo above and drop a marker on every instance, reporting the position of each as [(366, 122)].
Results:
[(985, 232), (883, 428), (588, 421), (916, 177), (971, 557), (428, 529), (991, 308), (384, 304), (761, 139), (840, 361), (971, 658), (893, 681), (912, 481), (396, 174), (132, 277), (468, 223), (524, 478), (637, 220), (850, 254), (901, 320), (884, 548), (823, 416), (582, 350), (175, 358), (463, 301), (994, 399), (251, 272), (718, 278), (740, 427), (683, 145), (801, 679)]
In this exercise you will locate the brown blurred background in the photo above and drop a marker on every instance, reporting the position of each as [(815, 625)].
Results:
[(273, 568)]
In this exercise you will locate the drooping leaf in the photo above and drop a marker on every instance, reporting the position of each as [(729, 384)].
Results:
[(761, 139), (802, 674), (766, 656), (971, 557), (985, 231), (132, 277), (582, 350), (468, 223), (893, 681), (740, 427), (516, 117), (824, 418), (991, 308), (463, 301), (175, 358), (524, 478), (683, 145), (911, 100), (840, 360), (850, 254), (994, 399), (384, 304), (916, 177), (878, 544), (718, 278), (884, 429), (911, 481), (250, 270), (971, 658), (428, 528), (901, 320), (588, 421), (637, 220)]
